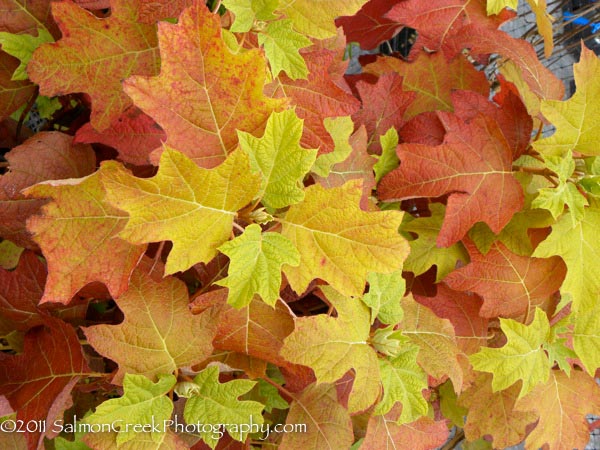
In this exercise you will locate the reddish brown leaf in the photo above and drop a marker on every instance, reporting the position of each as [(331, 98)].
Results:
[(55, 158), (463, 311), (77, 233), (383, 107), (438, 22), (384, 432), (316, 98), (134, 134), (473, 165), (510, 115), (13, 94), (426, 129), (38, 382), (26, 16), (432, 79), (20, 292), (94, 56), (485, 41), (511, 285), (368, 26), (198, 69), (93, 4)]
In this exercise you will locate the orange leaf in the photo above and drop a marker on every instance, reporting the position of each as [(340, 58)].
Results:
[(204, 93), (511, 285), (473, 166), (77, 234), (94, 55)]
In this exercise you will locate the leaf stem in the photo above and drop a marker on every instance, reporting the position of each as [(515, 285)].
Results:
[(280, 388), (452, 443), (216, 6), (238, 227)]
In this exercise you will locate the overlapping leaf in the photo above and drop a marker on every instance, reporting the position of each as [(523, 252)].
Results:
[(26, 16), (255, 265), (57, 159), (473, 165), (94, 56), (190, 206), (577, 120), (510, 285), (159, 333), (278, 157), (328, 422), (75, 231), (332, 346), (198, 69), (13, 94), (522, 358), (340, 243), (38, 382), (562, 422)]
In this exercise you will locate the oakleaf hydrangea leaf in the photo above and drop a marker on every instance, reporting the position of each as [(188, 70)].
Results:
[(143, 402), (577, 120), (255, 265), (77, 233), (317, 18), (579, 247), (424, 252), (332, 346), (248, 11), (95, 55), (554, 199), (183, 203), (278, 157), (340, 129), (282, 45), (22, 46), (217, 403), (197, 68), (495, 6), (522, 358), (586, 339), (388, 160), (385, 292), (340, 243), (403, 381), (159, 333)]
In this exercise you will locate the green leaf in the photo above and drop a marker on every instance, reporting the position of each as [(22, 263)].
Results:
[(47, 106), (332, 346), (579, 247), (248, 11), (143, 402), (554, 199), (340, 129), (385, 292), (255, 265), (22, 46), (388, 341), (269, 395), (424, 251), (278, 157), (388, 160), (522, 358), (403, 381), (282, 46), (218, 403)]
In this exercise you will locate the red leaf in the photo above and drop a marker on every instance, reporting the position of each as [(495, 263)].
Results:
[(368, 26), (316, 98), (473, 166), (426, 129), (439, 21), (134, 134), (463, 311), (55, 157), (13, 94), (38, 382), (383, 107), (151, 11), (511, 285), (19, 16)]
